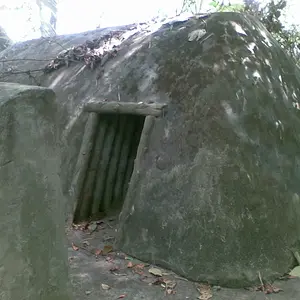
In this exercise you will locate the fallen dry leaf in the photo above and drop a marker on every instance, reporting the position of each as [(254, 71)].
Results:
[(75, 248), (107, 249), (140, 266), (155, 272), (276, 290), (98, 252), (114, 268), (159, 281), (170, 291), (130, 264), (139, 269), (92, 227), (105, 286), (85, 243), (109, 258), (82, 226), (205, 292), (268, 289), (196, 35), (169, 284)]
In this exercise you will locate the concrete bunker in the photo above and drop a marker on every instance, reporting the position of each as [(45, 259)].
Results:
[(219, 171), (111, 141)]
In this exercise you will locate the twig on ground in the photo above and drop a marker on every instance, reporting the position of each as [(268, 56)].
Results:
[(261, 282)]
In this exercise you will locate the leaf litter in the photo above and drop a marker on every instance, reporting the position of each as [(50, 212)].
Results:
[(155, 277), (155, 272), (105, 286), (205, 291), (265, 287)]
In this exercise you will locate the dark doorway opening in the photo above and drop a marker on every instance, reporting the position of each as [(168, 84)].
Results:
[(110, 166)]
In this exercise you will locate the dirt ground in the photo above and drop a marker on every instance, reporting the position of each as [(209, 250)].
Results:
[(98, 272)]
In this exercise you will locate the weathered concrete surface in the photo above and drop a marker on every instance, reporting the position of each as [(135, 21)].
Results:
[(217, 196), (33, 254), (89, 273), (73, 85)]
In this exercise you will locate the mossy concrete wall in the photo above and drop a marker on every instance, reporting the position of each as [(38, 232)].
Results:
[(33, 253), (215, 195)]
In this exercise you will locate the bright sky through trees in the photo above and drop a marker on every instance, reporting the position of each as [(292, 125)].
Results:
[(77, 16)]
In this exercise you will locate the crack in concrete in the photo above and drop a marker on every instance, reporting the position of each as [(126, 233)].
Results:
[(6, 163)]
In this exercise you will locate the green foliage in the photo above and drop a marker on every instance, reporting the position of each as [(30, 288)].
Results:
[(271, 16), (192, 6), (221, 6)]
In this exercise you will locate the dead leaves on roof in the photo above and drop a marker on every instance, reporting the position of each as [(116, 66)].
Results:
[(92, 53), (196, 35)]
